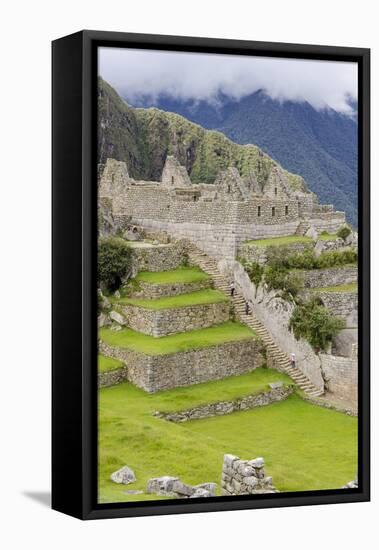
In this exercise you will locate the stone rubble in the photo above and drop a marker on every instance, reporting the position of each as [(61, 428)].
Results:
[(244, 477), (124, 475)]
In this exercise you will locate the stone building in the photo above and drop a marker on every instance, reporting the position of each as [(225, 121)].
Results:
[(218, 217)]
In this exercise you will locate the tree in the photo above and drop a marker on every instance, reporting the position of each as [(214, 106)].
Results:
[(113, 262), (314, 322)]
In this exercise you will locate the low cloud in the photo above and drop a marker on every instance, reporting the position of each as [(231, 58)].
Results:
[(192, 76)]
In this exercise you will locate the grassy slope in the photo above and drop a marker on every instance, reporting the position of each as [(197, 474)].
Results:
[(200, 297), (350, 287), (327, 237), (179, 275), (305, 446), (106, 364), (280, 241), (184, 341)]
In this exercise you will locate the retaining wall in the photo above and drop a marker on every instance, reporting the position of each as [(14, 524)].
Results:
[(173, 320), (163, 372)]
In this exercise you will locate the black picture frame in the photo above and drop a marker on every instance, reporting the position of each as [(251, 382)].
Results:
[(74, 332)]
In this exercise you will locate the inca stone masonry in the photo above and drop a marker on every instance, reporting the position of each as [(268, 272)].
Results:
[(218, 217)]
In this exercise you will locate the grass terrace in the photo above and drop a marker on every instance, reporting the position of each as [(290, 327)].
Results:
[(175, 343), (305, 447), (106, 364), (281, 241), (200, 297), (179, 275), (351, 287), (327, 236)]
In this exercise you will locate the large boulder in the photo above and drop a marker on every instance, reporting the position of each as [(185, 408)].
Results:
[(117, 317), (124, 475)]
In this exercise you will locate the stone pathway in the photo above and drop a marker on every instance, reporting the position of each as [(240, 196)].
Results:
[(279, 359)]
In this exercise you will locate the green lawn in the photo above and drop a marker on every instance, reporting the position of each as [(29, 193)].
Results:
[(184, 341), (350, 287), (179, 275), (200, 297), (327, 236), (305, 447), (281, 241), (106, 364)]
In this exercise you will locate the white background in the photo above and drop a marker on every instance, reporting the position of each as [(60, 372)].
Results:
[(27, 29)]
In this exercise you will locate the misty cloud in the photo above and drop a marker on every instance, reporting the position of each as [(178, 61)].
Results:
[(144, 73)]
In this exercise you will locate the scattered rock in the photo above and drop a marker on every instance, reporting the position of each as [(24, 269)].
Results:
[(103, 320), (161, 485), (117, 317), (117, 294), (174, 487), (124, 475), (275, 385), (351, 485), (201, 493), (312, 233), (133, 492)]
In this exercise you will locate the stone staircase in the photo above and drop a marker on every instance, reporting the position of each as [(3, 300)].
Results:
[(278, 358), (302, 228)]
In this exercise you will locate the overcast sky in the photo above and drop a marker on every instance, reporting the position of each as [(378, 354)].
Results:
[(149, 73)]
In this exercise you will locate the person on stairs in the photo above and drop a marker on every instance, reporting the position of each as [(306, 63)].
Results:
[(232, 289), (247, 308), (293, 360)]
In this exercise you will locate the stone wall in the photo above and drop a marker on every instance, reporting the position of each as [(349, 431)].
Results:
[(341, 376), (275, 313), (222, 408), (331, 276), (244, 477), (339, 303), (163, 322), (161, 257), (163, 372), (152, 291), (217, 226), (248, 252), (112, 377)]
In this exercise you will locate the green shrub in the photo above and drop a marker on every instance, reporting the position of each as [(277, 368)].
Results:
[(255, 272), (113, 262), (278, 256), (314, 322), (281, 279), (344, 232)]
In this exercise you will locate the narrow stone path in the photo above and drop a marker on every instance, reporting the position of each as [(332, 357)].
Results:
[(279, 359)]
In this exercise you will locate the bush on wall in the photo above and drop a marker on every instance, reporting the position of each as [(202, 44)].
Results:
[(113, 262), (314, 322)]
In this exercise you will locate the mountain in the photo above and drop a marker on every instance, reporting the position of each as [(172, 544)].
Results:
[(320, 145), (144, 137)]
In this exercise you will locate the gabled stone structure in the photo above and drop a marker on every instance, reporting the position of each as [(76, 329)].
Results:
[(219, 216)]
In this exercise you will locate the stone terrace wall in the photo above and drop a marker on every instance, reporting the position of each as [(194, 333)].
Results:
[(244, 477), (327, 221), (341, 376), (340, 303), (157, 257), (153, 291), (331, 276), (111, 378), (227, 407), (170, 321), (163, 372), (251, 253)]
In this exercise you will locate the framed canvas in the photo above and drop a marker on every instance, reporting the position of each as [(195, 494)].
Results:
[(210, 275)]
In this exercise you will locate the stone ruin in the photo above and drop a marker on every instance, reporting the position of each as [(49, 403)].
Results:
[(174, 487), (244, 477), (217, 216), (239, 477)]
